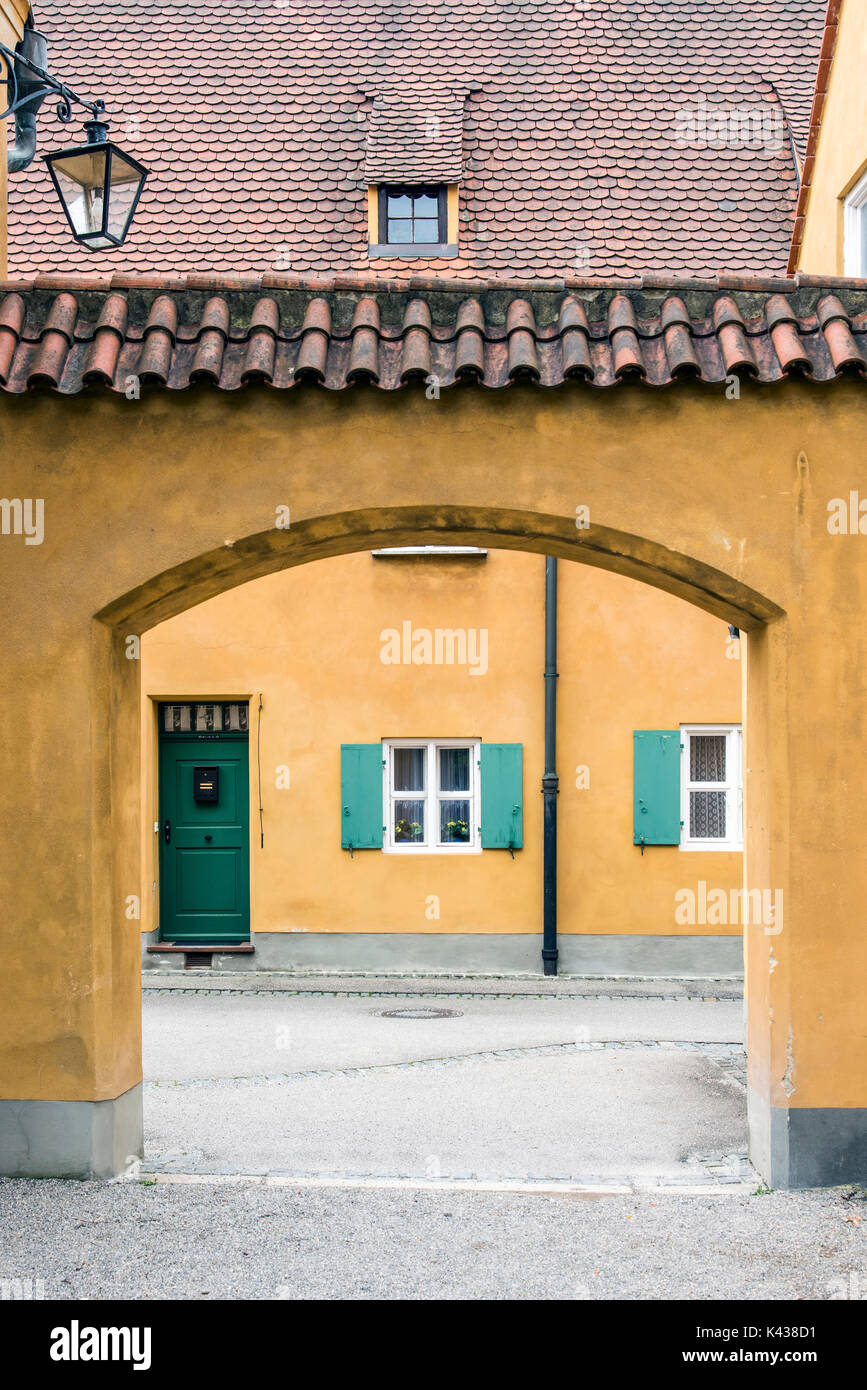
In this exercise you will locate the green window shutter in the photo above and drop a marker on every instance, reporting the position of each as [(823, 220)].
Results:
[(361, 796), (502, 800), (656, 787)]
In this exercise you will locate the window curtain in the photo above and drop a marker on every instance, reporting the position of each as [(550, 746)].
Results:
[(454, 769), (707, 763), (707, 758)]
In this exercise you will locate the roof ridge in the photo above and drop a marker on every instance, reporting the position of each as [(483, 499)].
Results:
[(235, 339), (255, 283)]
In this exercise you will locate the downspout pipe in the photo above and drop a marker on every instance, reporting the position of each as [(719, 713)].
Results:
[(33, 46), (19, 156), (550, 780)]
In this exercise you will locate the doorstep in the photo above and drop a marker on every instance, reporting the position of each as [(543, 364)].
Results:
[(201, 955)]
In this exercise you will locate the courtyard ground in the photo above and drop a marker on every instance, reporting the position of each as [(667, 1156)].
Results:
[(539, 1139)]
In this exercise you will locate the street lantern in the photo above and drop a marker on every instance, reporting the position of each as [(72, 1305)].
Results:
[(99, 186)]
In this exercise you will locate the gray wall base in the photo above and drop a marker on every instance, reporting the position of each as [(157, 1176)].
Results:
[(815, 1147), (697, 956), (652, 955), (70, 1138)]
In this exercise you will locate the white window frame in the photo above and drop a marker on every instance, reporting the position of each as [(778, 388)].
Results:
[(431, 796), (733, 787), (854, 229), (386, 552)]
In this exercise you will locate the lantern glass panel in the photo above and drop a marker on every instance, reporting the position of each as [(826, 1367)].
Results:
[(81, 180), (125, 180)]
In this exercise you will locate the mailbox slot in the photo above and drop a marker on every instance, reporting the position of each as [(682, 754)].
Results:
[(206, 784)]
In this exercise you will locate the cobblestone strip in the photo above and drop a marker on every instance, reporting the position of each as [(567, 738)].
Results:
[(422, 977), (437, 994), (531, 985), (729, 1056)]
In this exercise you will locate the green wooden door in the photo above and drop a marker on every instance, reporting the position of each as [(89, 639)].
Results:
[(204, 832)]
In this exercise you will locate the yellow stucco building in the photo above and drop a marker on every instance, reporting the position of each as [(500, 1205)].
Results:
[(227, 720), (315, 644), (830, 235)]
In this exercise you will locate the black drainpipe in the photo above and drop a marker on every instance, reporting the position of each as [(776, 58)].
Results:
[(19, 155), (550, 780)]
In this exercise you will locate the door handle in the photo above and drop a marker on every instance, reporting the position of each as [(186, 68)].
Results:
[(209, 838), (167, 832)]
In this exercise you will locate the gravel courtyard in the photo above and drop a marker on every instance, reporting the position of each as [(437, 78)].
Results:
[(566, 1140), (547, 1087), (254, 1241)]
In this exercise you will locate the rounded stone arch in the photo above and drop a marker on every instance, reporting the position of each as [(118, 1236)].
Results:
[(649, 561)]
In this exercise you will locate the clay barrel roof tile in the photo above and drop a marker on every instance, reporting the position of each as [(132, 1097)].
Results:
[(602, 333), (623, 336), (575, 339), (521, 332), (845, 353), (212, 338), (470, 343), (783, 325), (731, 332), (55, 341), (415, 358), (315, 334), (261, 353), (364, 353), (11, 321), (155, 359), (100, 361)]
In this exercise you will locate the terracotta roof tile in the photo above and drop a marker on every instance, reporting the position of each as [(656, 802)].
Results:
[(100, 362), (82, 336), (12, 310), (845, 352), (256, 119)]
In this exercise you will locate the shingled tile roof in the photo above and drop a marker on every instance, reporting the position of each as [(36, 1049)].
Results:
[(586, 144), (72, 336), (415, 138)]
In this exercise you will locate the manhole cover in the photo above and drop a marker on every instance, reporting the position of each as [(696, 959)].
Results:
[(419, 1013)]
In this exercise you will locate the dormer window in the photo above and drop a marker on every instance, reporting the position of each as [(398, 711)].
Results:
[(413, 219), (413, 166)]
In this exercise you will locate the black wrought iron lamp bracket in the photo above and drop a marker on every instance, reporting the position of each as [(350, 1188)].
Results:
[(50, 87)]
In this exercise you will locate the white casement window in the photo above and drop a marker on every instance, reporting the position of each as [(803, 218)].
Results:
[(431, 792), (855, 231), (711, 796)]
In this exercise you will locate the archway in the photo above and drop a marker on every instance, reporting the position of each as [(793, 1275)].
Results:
[(341, 533), (179, 509)]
